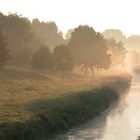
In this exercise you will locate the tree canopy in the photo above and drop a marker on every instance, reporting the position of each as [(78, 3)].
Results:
[(42, 59), (48, 33), (115, 34), (63, 58), (89, 47), (24, 36), (117, 51), (82, 46)]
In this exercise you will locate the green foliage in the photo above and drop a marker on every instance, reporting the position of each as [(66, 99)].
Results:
[(15, 131), (42, 59), (63, 58), (4, 52)]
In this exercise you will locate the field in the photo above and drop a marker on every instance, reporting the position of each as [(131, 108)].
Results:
[(29, 101)]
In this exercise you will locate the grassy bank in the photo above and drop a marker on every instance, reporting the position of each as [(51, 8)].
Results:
[(33, 106)]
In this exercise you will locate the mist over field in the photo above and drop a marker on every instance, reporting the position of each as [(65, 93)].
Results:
[(77, 84)]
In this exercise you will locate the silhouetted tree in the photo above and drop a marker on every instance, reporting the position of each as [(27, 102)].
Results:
[(4, 53), (42, 59), (117, 52), (24, 37), (106, 63), (18, 32), (63, 58), (89, 48)]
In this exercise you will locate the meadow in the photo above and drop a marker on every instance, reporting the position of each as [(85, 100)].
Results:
[(34, 105)]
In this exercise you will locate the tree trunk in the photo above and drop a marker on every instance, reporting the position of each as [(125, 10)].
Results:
[(92, 71)]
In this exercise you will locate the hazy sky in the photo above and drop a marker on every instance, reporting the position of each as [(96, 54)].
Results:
[(101, 14)]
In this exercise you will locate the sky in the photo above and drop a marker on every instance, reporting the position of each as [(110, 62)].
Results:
[(100, 14)]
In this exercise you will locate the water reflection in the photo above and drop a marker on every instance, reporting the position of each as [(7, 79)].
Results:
[(95, 129), (120, 122)]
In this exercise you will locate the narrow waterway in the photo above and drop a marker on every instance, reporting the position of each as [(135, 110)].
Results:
[(119, 122)]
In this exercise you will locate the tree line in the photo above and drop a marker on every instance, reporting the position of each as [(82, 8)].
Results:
[(24, 37), (42, 46)]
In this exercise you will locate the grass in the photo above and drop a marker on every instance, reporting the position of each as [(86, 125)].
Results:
[(32, 105)]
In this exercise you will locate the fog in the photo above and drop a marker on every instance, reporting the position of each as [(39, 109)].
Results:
[(52, 82), (87, 48)]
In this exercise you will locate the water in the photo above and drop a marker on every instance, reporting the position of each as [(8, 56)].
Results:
[(119, 122)]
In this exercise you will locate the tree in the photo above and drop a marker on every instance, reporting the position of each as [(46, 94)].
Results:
[(48, 33), (63, 58), (68, 34), (42, 59), (114, 34), (24, 36), (4, 53), (117, 52), (18, 32), (88, 48)]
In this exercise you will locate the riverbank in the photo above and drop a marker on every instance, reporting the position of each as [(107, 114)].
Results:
[(40, 107)]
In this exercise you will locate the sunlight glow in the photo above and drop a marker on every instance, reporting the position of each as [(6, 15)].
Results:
[(101, 14)]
